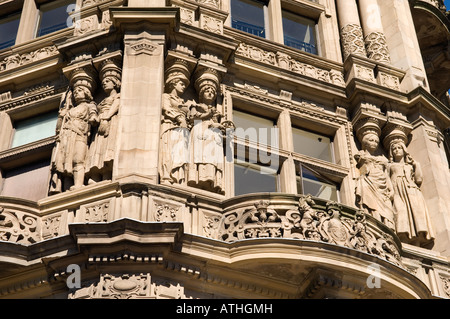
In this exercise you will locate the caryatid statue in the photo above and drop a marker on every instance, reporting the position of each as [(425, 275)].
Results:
[(206, 144), (174, 153), (102, 147), (77, 113), (374, 191), (413, 223)]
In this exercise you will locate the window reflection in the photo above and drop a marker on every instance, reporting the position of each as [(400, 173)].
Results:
[(255, 128), (312, 144), (313, 183), (299, 32), (54, 17), (248, 16), (254, 178), (34, 128), (8, 30)]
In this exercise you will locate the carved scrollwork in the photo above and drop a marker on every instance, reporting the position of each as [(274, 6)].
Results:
[(18, 227), (129, 286), (257, 222), (309, 221)]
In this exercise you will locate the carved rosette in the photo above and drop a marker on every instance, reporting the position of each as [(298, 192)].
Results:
[(308, 221), (376, 46), (353, 40)]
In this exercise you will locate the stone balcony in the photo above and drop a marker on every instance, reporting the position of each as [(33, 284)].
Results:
[(253, 216)]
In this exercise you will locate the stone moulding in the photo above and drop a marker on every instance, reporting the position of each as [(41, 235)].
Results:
[(286, 62)]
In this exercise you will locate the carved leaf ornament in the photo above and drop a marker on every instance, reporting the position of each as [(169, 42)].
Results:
[(18, 227), (309, 222)]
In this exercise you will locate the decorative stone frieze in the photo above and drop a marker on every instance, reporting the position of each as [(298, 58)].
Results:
[(22, 59), (286, 62)]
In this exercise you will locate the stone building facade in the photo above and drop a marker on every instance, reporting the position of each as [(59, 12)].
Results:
[(290, 149)]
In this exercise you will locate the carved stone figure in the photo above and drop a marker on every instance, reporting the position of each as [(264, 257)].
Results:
[(101, 150), (206, 141), (175, 133), (374, 191), (412, 219), (77, 113)]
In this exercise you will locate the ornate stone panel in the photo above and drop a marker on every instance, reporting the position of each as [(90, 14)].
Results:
[(328, 224), (130, 286), (18, 227)]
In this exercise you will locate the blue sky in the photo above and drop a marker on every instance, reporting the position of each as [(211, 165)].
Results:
[(447, 4)]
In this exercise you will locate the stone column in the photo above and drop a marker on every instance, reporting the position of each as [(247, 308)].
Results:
[(374, 37), (350, 28), (145, 33), (287, 181)]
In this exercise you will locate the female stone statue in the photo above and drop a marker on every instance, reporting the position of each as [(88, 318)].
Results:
[(76, 116), (206, 141), (374, 189), (101, 150), (175, 134), (412, 218)]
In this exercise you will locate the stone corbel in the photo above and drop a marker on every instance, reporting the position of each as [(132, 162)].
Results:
[(389, 77), (396, 128), (356, 67), (368, 117)]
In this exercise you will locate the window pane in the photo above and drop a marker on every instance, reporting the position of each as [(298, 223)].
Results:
[(312, 144), (310, 183), (254, 179), (299, 32), (8, 30), (248, 16), (34, 129), (54, 18), (255, 128), (34, 176)]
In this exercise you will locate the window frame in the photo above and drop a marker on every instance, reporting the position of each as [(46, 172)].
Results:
[(48, 6), (273, 19)]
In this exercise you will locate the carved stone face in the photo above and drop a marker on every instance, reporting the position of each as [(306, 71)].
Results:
[(179, 86), (370, 142), (80, 93), (397, 151), (107, 84), (208, 95)]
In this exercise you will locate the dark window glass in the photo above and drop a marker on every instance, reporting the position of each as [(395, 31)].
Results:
[(8, 30), (34, 176), (299, 32), (248, 16), (253, 178), (312, 183), (54, 17)]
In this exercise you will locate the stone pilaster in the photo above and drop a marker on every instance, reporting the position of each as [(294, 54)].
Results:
[(145, 33)]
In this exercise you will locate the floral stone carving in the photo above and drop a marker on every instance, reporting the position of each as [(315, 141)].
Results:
[(310, 221), (18, 227)]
